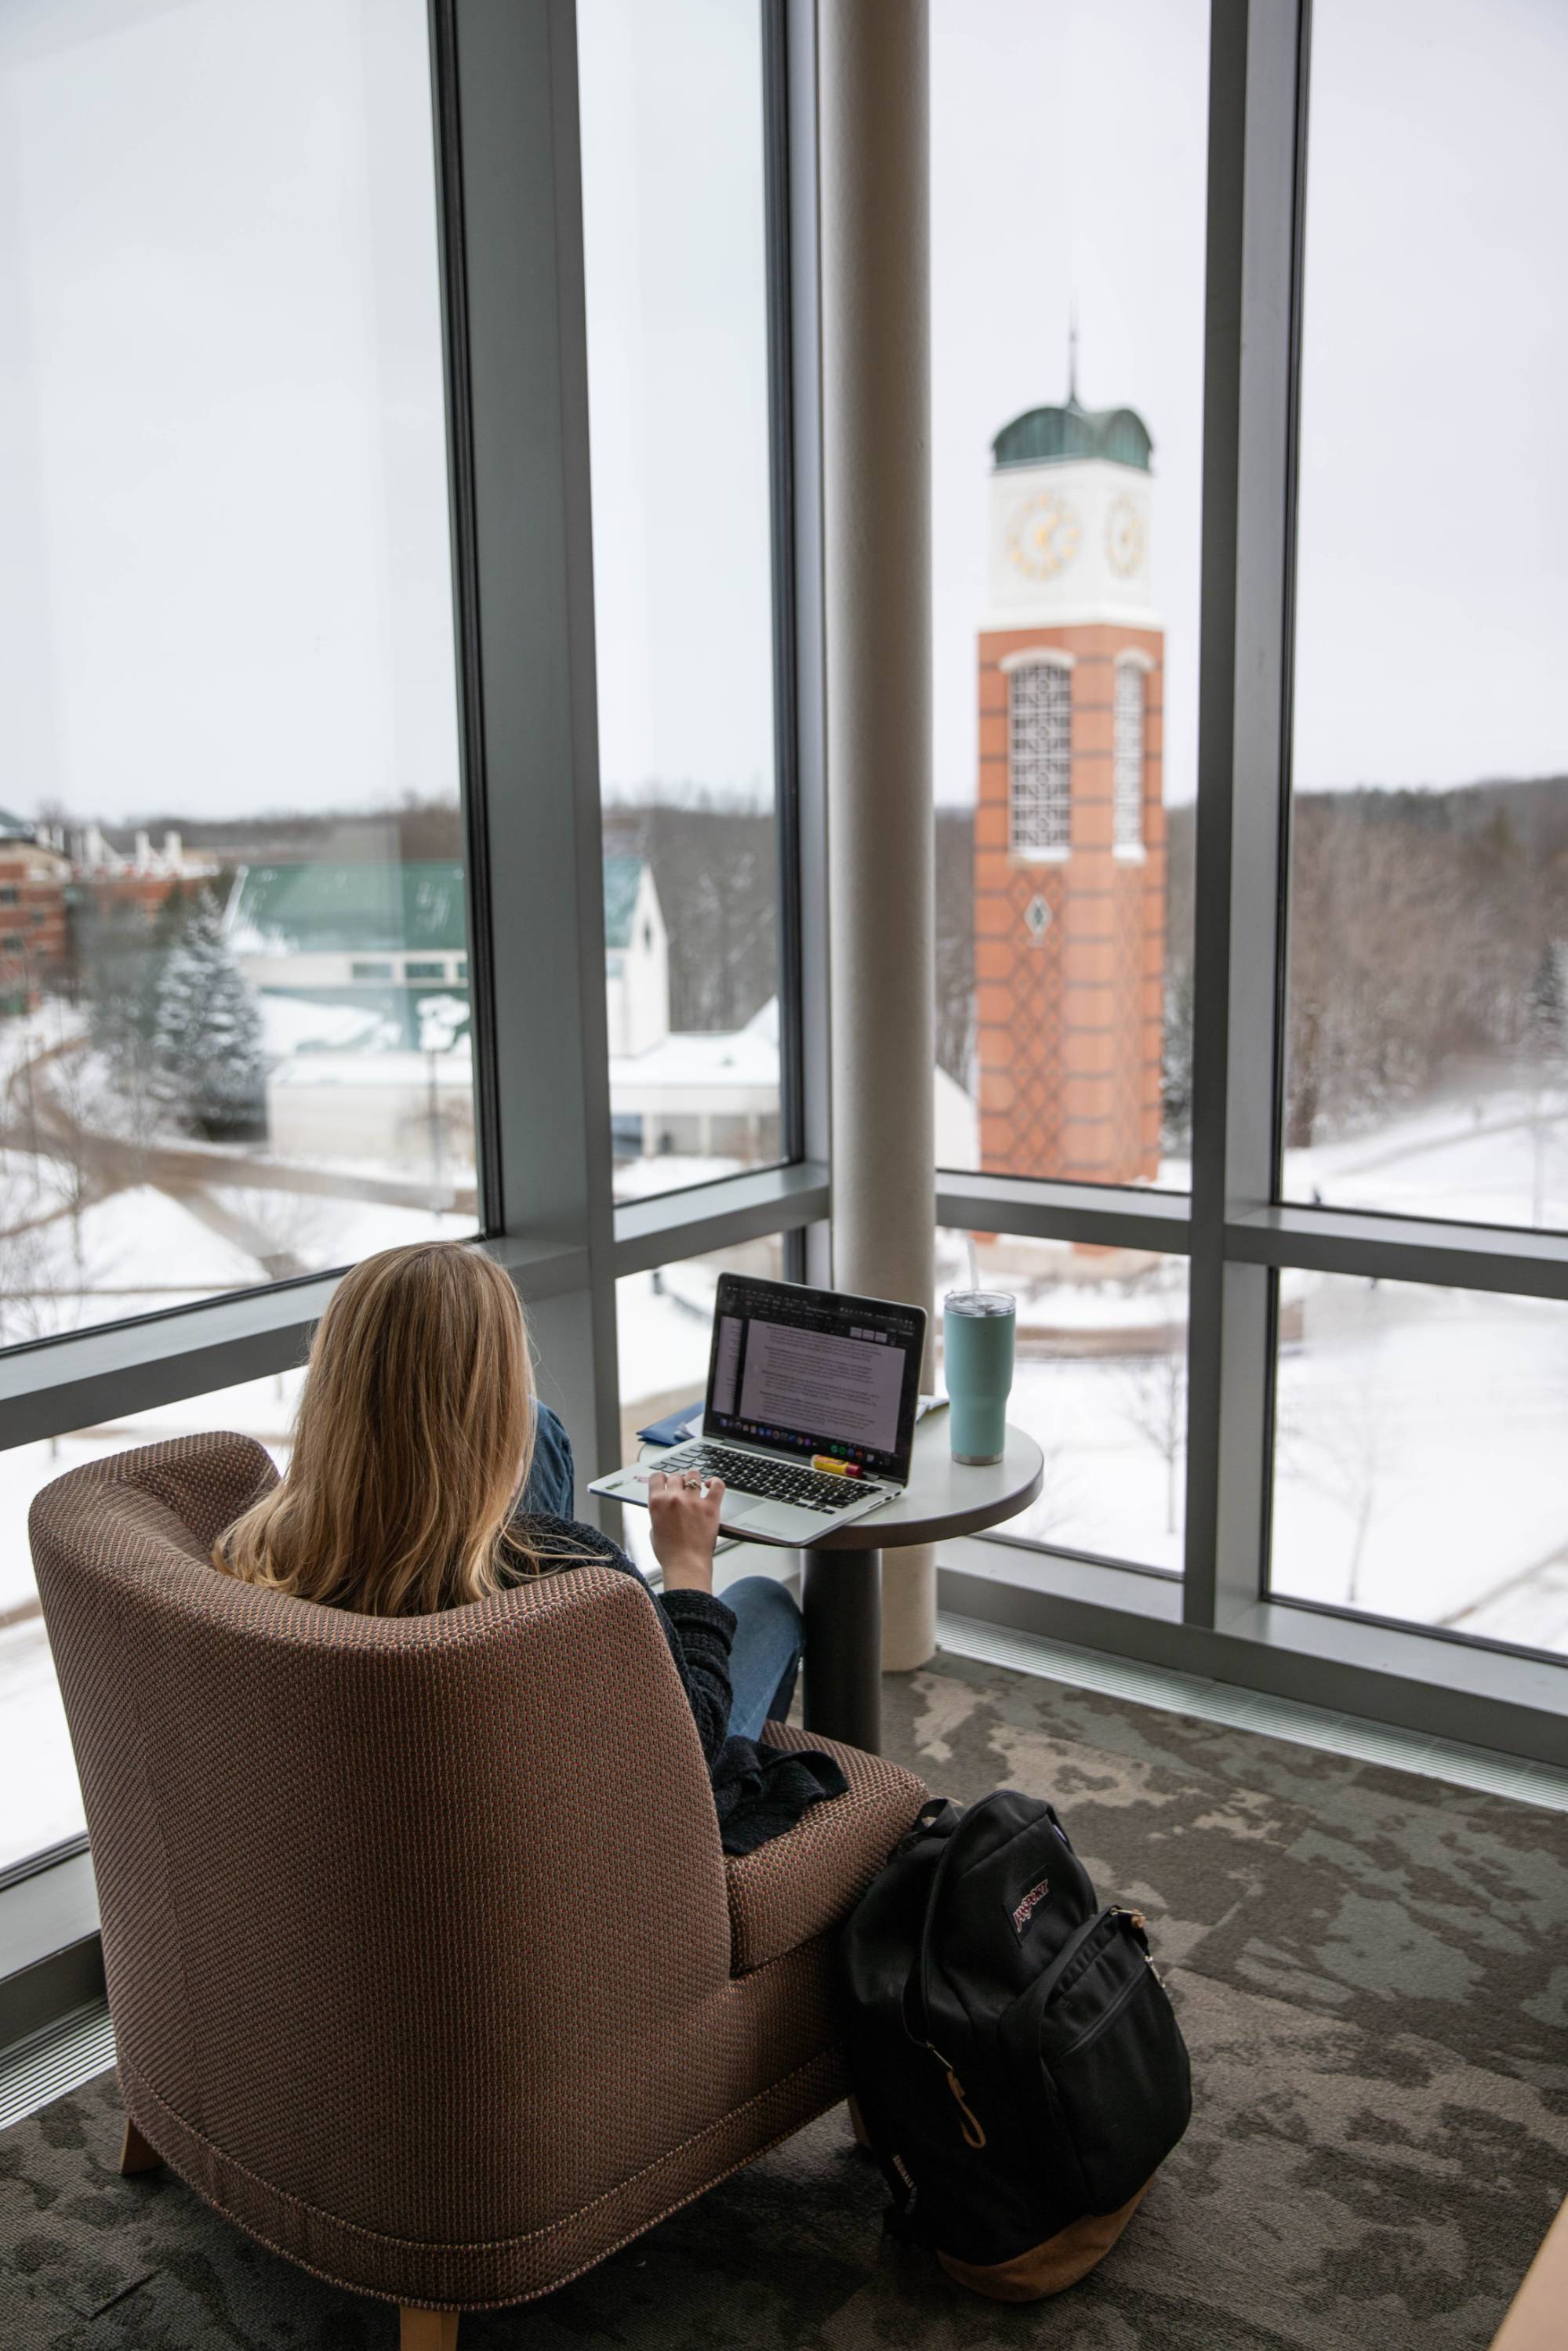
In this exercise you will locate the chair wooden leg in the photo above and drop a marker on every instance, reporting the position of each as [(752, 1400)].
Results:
[(136, 2155), (428, 2330)]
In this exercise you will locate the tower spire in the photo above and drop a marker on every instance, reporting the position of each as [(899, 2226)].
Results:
[(1072, 354)]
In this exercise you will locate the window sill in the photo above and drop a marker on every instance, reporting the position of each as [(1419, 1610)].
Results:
[(1439, 1689)]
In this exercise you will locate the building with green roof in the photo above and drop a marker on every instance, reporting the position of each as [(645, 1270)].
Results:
[(380, 937)]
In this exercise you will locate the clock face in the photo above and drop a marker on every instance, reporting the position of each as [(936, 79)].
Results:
[(1044, 536), (1125, 537)]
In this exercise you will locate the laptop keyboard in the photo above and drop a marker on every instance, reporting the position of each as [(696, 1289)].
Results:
[(777, 1481)]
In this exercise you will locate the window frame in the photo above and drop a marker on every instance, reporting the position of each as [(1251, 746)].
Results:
[(505, 98)]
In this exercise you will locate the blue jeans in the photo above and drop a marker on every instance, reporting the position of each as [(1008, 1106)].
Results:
[(550, 1489), (766, 1654)]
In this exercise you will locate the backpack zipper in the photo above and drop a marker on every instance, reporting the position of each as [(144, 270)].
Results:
[(972, 2127), (1092, 2032)]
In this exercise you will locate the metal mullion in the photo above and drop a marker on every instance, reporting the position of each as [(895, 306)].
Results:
[(1116, 1216), (81, 1379), (811, 1256), (1250, 356), (1403, 1248), (461, 527), (707, 1217), (508, 104), (775, 99)]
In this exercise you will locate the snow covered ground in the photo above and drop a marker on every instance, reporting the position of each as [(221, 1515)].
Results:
[(1478, 1159), (1421, 1467)]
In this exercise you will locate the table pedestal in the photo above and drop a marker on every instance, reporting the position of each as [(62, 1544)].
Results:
[(840, 1599)]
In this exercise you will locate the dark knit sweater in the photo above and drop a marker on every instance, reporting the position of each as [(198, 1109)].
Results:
[(758, 1792)]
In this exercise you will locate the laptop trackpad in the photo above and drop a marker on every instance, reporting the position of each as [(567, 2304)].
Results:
[(773, 1523)]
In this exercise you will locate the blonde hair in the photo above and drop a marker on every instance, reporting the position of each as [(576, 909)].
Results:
[(411, 1443)]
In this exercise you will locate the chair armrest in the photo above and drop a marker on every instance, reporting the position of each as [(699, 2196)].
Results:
[(798, 1885)]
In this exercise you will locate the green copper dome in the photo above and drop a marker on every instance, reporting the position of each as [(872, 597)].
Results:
[(1045, 436)]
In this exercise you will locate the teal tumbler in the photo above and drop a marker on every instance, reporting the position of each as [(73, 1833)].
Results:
[(978, 1328)]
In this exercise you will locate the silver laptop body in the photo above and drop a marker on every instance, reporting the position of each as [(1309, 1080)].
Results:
[(793, 1372)]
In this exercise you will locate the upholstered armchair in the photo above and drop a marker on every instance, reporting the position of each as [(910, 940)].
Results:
[(426, 1969)]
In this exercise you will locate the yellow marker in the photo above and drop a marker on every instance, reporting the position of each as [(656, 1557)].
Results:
[(829, 1466)]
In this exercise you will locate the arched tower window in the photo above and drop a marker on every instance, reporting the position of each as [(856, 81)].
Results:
[(1127, 758), (1039, 731)]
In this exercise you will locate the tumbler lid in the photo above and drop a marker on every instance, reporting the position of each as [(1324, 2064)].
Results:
[(979, 1302)]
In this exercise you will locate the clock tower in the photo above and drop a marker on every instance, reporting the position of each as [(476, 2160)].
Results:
[(1070, 848)]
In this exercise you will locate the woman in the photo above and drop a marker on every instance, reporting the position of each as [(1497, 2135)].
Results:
[(425, 1475)]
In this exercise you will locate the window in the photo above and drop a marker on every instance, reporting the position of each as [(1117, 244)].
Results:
[(1067, 420), (1428, 1008), (1040, 729), (1127, 760), (1100, 1382), (227, 669), (10, 896), (674, 219), (236, 1050), (1418, 1462)]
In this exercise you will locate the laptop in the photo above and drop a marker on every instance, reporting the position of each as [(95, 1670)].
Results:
[(793, 1373)]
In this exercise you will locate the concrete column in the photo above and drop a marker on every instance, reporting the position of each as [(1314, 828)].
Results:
[(872, 102)]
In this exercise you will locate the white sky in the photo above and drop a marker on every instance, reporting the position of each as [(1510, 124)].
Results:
[(222, 535)]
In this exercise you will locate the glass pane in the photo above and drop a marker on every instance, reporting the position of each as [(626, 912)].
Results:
[(43, 1799), (1418, 1456), (1067, 413), (664, 1324), (677, 352), (234, 1007), (1100, 1383), (1428, 1069)]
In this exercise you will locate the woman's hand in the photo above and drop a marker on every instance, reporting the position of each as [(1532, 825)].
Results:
[(684, 1509)]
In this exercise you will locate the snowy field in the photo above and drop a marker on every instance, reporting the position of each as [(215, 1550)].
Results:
[(1478, 1158)]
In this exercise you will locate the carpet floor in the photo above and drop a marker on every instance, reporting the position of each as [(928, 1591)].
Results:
[(1372, 1974)]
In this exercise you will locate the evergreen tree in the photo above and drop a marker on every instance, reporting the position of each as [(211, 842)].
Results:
[(206, 1037)]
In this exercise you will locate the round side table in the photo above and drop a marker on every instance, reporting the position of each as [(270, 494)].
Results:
[(841, 1595)]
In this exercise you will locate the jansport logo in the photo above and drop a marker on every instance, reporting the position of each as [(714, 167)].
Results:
[(1030, 1904)]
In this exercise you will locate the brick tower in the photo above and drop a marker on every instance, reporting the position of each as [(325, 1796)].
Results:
[(1070, 848)]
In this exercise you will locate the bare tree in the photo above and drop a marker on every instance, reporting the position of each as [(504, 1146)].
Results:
[(1154, 1401)]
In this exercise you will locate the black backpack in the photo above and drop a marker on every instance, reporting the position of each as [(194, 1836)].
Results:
[(1017, 2065)]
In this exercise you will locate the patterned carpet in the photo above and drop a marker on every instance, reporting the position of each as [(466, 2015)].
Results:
[(1370, 1970)]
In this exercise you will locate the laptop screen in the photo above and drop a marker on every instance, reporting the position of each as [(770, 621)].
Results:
[(811, 1370)]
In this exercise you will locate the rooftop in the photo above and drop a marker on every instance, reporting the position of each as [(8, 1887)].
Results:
[(325, 909), (1045, 436), (623, 873)]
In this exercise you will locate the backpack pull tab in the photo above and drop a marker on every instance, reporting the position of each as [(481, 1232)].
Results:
[(974, 2132)]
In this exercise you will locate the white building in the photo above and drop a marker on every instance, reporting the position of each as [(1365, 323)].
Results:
[(636, 958)]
